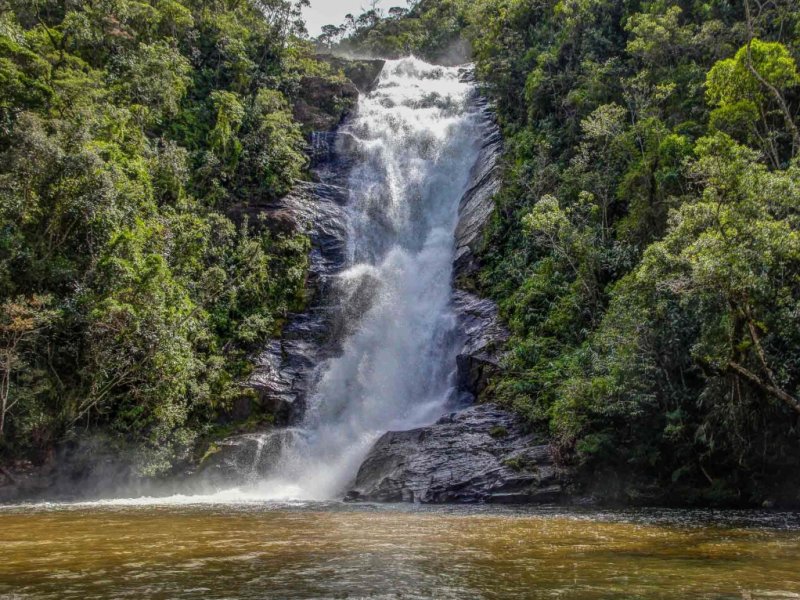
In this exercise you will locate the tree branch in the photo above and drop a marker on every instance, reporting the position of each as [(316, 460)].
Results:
[(778, 393)]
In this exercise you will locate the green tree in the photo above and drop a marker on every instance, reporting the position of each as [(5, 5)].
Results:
[(750, 88), (22, 322)]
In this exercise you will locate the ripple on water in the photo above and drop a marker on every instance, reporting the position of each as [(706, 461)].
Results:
[(333, 550)]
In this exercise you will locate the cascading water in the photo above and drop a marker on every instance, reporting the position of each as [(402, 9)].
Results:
[(414, 140)]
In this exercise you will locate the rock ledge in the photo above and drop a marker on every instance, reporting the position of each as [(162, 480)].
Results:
[(480, 454)]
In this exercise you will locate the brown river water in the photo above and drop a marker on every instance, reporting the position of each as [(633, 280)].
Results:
[(342, 551)]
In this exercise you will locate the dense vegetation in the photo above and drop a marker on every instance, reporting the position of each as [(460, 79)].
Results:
[(645, 250), (435, 30), (132, 134)]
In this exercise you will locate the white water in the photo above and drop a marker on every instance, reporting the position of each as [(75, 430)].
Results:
[(416, 139)]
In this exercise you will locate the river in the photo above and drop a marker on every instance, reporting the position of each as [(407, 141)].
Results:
[(133, 549)]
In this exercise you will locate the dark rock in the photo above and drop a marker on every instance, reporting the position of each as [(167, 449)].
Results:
[(243, 458), (363, 73), (484, 341), (478, 321), (324, 103), (283, 371), (481, 454), (477, 205)]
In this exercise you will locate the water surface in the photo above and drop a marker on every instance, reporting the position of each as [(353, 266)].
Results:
[(333, 551)]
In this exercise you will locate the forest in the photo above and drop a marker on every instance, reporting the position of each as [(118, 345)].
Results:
[(644, 250), (133, 291)]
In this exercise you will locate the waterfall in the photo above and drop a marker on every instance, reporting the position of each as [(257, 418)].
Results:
[(413, 141)]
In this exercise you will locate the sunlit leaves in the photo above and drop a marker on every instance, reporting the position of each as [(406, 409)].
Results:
[(658, 37), (743, 91), (125, 126), (155, 76), (730, 80)]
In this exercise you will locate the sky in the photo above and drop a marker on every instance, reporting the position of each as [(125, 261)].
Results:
[(324, 12)]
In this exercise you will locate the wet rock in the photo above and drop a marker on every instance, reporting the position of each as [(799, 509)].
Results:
[(318, 209), (481, 454), (283, 371), (479, 324), (484, 341), (477, 205), (243, 458)]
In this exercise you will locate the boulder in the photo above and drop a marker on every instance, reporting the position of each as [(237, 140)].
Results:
[(480, 454), (242, 459)]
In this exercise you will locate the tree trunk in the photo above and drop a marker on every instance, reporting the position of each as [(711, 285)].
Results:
[(4, 386)]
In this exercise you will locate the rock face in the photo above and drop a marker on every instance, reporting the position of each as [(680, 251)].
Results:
[(477, 205), (481, 454), (479, 325), (484, 339), (283, 371), (325, 102)]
